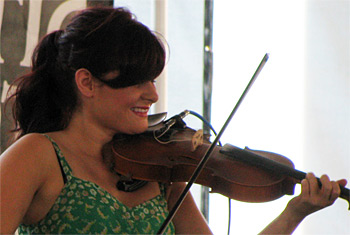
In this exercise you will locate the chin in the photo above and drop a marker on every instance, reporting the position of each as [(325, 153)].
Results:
[(138, 130)]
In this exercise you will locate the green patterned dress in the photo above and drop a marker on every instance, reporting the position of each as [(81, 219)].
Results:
[(85, 208)]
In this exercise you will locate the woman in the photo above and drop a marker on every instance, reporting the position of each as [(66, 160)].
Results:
[(89, 82)]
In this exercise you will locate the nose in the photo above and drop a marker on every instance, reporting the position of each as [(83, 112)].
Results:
[(150, 92)]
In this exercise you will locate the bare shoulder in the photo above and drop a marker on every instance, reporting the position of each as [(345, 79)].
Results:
[(29, 152), (25, 168), (30, 143), (188, 219), (174, 190)]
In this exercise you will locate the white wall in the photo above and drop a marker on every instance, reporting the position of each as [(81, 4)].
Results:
[(327, 104), (298, 107)]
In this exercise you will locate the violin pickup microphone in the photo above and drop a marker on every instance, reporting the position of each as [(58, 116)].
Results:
[(177, 120), (184, 114)]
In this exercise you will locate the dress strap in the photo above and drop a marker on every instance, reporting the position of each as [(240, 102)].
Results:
[(162, 188), (65, 168)]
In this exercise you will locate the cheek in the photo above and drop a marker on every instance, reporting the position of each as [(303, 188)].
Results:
[(116, 98), (116, 108)]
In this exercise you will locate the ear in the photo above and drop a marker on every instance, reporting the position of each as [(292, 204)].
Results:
[(85, 82)]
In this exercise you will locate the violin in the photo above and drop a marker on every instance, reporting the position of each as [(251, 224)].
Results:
[(176, 153), (171, 154)]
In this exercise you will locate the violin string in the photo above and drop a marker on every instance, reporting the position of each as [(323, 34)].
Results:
[(166, 142)]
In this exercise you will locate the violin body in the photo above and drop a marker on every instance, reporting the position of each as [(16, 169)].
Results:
[(175, 156)]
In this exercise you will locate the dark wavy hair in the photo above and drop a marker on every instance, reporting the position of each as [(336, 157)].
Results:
[(100, 40)]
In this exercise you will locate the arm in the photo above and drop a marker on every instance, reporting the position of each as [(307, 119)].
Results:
[(21, 174), (311, 199), (188, 219)]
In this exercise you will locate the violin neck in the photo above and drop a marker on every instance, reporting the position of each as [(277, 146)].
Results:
[(254, 159)]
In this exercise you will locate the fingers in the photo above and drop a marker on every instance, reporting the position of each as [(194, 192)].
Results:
[(329, 189), (313, 184), (315, 195), (336, 191), (305, 187), (342, 182), (324, 194)]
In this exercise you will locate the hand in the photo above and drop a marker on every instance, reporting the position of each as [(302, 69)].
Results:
[(313, 197)]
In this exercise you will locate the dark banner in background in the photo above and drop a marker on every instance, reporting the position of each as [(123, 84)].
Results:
[(23, 24)]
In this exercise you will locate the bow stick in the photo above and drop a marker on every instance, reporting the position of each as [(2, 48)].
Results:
[(210, 149)]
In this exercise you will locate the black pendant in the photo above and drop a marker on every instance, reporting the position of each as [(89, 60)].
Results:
[(127, 184)]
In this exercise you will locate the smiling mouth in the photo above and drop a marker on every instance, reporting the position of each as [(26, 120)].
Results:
[(140, 111)]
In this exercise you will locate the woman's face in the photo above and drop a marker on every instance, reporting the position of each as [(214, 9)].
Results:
[(125, 110)]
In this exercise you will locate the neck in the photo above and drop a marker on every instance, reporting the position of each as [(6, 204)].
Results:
[(85, 137)]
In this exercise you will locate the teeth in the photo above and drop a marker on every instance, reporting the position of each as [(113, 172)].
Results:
[(140, 110)]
